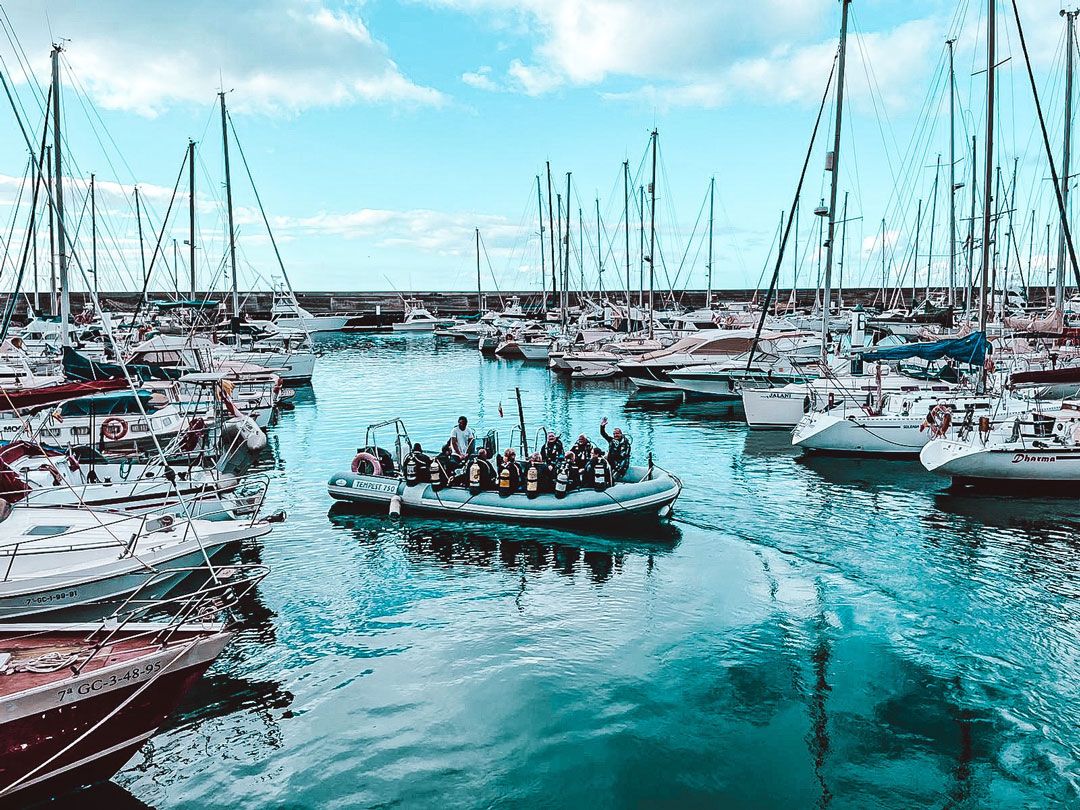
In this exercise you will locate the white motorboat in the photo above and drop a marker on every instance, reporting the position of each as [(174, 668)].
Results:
[(58, 560), (287, 313), (1040, 447), (902, 426), (650, 371), (781, 408), (419, 319)]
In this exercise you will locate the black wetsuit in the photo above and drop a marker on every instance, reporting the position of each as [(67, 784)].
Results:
[(618, 453)]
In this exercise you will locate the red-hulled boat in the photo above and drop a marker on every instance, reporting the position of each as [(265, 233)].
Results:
[(77, 701)]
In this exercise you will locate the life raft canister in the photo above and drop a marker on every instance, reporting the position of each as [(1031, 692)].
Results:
[(532, 481), (562, 483), (504, 482), (474, 477)]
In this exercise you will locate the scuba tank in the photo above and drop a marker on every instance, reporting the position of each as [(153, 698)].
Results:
[(600, 476), (475, 485), (562, 483), (412, 471), (532, 480), (504, 481), (438, 475)]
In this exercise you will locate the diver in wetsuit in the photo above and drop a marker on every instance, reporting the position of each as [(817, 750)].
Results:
[(552, 452), (618, 454), (598, 473)]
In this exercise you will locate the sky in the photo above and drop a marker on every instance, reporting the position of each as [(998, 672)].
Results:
[(380, 134)]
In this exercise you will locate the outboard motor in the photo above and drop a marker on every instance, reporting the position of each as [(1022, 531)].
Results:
[(562, 483), (532, 480), (504, 482), (475, 476)]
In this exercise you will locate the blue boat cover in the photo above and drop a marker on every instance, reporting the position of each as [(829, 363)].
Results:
[(971, 350)]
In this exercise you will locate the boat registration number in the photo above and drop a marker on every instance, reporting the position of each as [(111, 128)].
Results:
[(96, 685), (375, 486)]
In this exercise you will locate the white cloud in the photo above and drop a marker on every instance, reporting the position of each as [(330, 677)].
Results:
[(480, 79), (280, 56), (689, 53), (440, 232)]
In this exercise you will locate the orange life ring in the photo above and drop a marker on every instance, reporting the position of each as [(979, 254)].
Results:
[(376, 467), (113, 429)]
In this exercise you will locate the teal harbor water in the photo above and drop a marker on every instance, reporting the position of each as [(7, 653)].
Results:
[(818, 632)]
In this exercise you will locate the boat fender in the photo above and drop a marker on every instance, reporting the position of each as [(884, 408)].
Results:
[(984, 428), (532, 481), (832, 401), (504, 482), (360, 458), (474, 477), (395, 506), (562, 483)]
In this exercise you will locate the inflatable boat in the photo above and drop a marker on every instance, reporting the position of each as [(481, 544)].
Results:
[(644, 492)]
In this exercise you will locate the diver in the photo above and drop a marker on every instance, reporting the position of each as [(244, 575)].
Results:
[(618, 454), (552, 452), (598, 473), (443, 470), (582, 449), (462, 439), (417, 466)]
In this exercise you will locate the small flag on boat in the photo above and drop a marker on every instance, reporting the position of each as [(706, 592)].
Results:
[(500, 410)]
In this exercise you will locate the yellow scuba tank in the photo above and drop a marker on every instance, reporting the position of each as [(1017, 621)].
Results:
[(504, 482)]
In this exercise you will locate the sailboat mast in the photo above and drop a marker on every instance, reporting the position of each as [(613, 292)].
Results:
[(553, 232), (58, 201), (843, 253), (641, 249), (565, 292), (834, 168), (988, 169), (229, 206), (599, 250), (933, 224), (93, 234), (138, 221), (915, 261), (971, 233), (708, 290), (479, 293), (191, 215), (652, 232), (952, 175), (53, 303), (543, 268), (1070, 46), (626, 222)]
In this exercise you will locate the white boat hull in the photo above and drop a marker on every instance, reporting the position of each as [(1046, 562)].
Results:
[(316, 323), (859, 435)]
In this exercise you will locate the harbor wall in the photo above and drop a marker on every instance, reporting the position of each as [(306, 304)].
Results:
[(390, 304)]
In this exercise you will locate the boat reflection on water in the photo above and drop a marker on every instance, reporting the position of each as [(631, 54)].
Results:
[(865, 473), (515, 548)]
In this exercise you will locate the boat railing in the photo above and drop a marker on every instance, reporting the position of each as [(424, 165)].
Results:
[(224, 589)]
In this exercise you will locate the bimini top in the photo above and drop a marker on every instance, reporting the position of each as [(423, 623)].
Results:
[(106, 404), (971, 350)]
